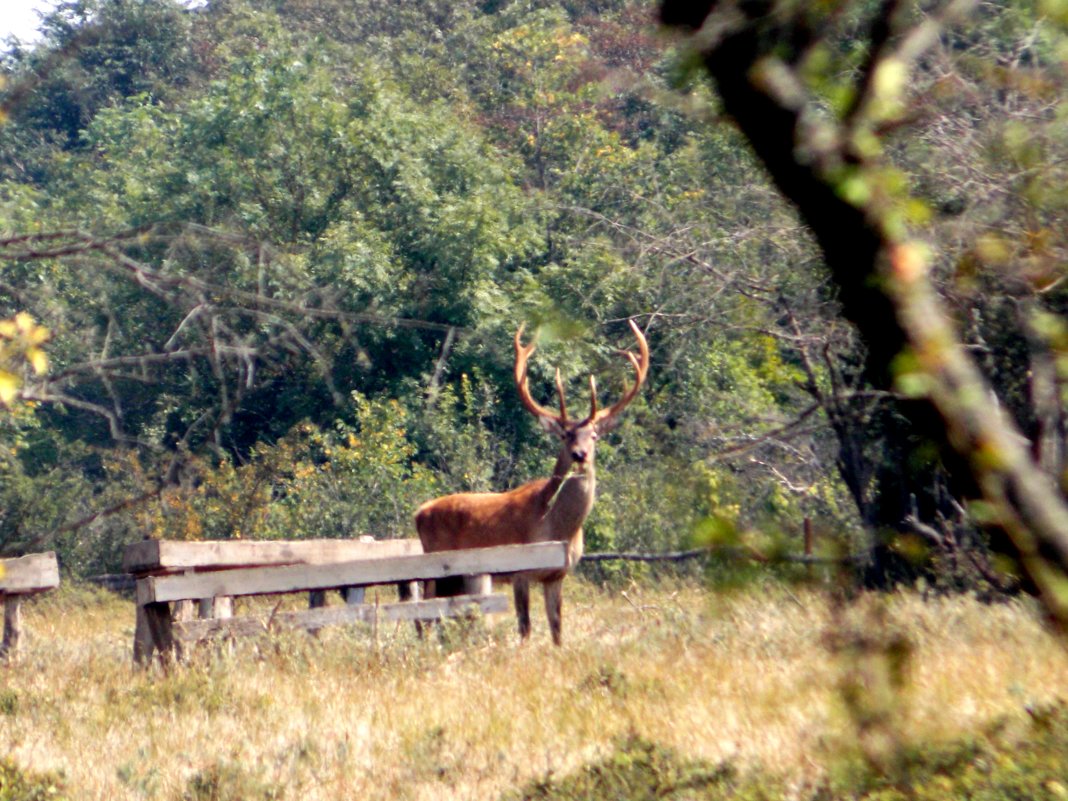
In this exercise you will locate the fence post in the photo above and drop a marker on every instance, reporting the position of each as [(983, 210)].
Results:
[(218, 607), (353, 595), (143, 644), (158, 619), (478, 585), (12, 620)]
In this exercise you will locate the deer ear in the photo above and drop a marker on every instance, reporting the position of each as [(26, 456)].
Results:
[(551, 425), (606, 424)]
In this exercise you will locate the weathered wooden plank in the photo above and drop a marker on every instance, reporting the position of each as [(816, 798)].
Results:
[(156, 556), (32, 573), (12, 626), (314, 619), (296, 578)]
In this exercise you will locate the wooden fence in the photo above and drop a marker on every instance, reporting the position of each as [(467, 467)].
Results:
[(20, 577), (211, 573)]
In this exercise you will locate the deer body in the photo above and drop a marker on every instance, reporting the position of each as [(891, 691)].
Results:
[(546, 509)]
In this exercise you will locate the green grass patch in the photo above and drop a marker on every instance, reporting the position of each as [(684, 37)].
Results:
[(636, 769), (1001, 763), (19, 785), (229, 781)]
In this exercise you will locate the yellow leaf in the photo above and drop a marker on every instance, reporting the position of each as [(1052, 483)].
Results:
[(891, 77), (39, 359), (9, 387), (38, 335)]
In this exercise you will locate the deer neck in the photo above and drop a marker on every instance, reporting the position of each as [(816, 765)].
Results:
[(573, 500), (569, 498), (559, 474)]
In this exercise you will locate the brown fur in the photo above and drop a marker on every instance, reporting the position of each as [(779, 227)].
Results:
[(538, 511)]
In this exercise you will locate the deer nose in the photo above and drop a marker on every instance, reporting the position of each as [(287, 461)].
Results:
[(578, 456)]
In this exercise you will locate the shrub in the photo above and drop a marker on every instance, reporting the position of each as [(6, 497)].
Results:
[(18, 785), (226, 781), (1001, 763), (635, 770)]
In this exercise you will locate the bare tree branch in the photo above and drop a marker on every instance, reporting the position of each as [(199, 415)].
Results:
[(884, 288)]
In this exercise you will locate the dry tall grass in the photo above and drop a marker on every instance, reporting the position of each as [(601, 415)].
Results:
[(746, 677)]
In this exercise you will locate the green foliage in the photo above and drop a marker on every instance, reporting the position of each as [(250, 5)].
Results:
[(79, 600), (312, 179), (358, 478), (111, 50), (634, 771), (308, 177), (1001, 763), (19, 785), (35, 500), (221, 501), (454, 437), (230, 781)]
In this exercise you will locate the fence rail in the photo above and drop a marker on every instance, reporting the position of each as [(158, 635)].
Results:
[(746, 554), (126, 582), (170, 576)]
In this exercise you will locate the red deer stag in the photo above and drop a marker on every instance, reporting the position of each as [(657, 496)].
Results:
[(546, 509)]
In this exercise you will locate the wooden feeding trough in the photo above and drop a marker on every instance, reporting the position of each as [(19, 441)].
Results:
[(179, 573)]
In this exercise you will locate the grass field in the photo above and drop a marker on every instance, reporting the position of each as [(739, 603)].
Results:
[(769, 680)]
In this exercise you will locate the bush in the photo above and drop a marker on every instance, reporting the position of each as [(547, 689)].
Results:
[(17, 785), (226, 781), (1001, 763), (636, 770)]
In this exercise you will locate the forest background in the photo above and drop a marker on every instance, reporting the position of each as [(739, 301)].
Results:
[(261, 264)]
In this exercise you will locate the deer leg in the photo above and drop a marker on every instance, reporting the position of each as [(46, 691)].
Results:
[(554, 606), (521, 593), (416, 591), (411, 591)]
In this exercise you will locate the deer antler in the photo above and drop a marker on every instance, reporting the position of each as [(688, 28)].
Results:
[(522, 355), (605, 418)]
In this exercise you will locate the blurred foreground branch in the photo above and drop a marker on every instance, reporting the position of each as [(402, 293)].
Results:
[(834, 169)]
